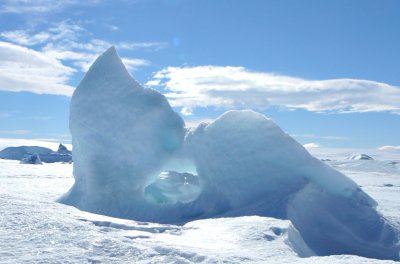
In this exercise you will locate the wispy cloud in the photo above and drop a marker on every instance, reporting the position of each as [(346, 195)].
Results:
[(40, 6), (41, 118), (237, 87), (319, 137), (4, 115), (311, 145), (43, 62), (15, 132), (389, 148)]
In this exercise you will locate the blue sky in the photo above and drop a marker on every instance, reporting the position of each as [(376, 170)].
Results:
[(326, 71)]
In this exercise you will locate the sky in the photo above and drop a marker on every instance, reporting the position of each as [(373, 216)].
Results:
[(327, 72)]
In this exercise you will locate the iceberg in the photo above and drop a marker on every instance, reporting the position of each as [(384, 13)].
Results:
[(134, 159), (18, 153), (31, 159), (360, 157), (44, 154)]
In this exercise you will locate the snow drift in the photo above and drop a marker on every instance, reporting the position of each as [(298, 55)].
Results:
[(134, 159)]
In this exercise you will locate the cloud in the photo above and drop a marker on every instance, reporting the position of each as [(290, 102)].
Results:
[(237, 87), (133, 64), (4, 115), (186, 111), (319, 137), (311, 145), (15, 132), (40, 6), (389, 148), (44, 62), (24, 69)]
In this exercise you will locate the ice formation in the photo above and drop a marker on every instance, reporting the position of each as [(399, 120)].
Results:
[(134, 159), (31, 159), (18, 153), (63, 150), (360, 157), (44, 154)]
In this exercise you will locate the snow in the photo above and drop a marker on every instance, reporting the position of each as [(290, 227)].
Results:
[(134, 159), (36, 229)]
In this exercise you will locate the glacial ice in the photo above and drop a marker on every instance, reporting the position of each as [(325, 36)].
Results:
[(133, 158), (31, 159), (43, 154), (18, 153), (360, 157)]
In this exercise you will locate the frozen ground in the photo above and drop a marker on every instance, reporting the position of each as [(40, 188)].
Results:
[(36, 229)]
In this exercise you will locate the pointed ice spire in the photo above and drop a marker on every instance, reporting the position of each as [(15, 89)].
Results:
[(108, 70)]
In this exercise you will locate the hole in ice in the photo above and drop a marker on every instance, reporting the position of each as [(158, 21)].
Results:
[(277, 231), (171, 187)]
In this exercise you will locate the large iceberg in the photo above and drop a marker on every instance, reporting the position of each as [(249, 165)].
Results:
[(46, 155), (133, 158)]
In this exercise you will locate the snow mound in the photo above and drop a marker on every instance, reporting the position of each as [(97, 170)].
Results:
[(134, 159), (360, 157)]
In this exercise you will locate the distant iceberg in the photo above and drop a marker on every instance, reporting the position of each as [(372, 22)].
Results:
[(44, 154), (134, 158), (31, 159), (18, 153), (360, 157)]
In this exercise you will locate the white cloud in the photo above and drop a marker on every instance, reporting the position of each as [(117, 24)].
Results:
[(236, 87), (133, 64), (4, 115), (40, 6), (186, 111), (15, 132), (63, 32), (311, 145), (112, 27), (37, 61), (24, 69), (319, 137), (389, 148)]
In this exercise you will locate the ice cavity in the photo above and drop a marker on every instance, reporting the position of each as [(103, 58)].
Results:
[(134, 159)]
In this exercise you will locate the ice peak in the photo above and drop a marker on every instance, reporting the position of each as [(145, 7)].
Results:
[(108, 68)]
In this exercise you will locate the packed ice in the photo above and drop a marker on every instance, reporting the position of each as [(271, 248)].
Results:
[(134, 159)]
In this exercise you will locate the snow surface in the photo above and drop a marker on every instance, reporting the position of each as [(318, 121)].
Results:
[(131, 151), (36, 229)]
